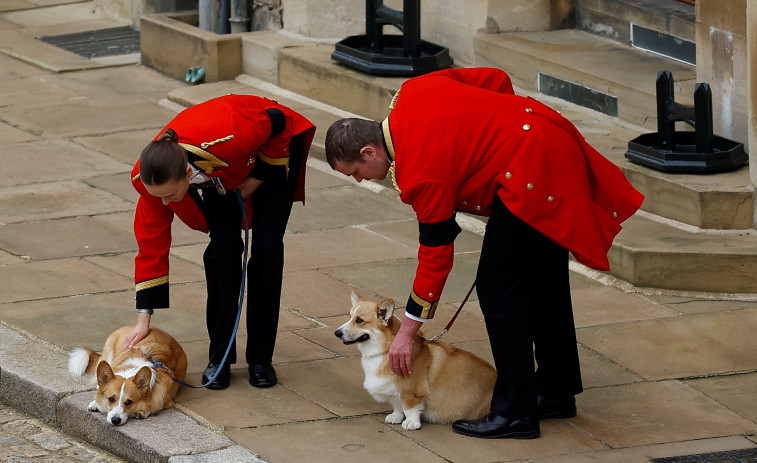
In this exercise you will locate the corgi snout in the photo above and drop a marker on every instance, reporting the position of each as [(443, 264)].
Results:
[(342, 334)]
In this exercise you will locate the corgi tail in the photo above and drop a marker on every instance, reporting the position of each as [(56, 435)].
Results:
[(81, 361)]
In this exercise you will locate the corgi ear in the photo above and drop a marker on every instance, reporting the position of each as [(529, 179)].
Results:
[(355, 298), (104, 373), (385, 311), (142, 380)]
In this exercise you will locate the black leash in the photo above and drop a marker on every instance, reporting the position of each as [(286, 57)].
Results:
[(239, 310)]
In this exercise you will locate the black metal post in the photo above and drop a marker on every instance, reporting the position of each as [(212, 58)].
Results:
[(411, 11), (703, 117), (693, 152), (377, 53), (665, 127)]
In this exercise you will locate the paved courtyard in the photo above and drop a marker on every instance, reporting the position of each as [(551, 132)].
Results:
[(666, 373)]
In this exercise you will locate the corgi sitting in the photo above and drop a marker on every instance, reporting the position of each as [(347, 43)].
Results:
[(136, 382), (447, 383)]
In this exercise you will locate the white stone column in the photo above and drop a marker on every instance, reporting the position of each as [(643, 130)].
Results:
[(751, 53), (721, 29)]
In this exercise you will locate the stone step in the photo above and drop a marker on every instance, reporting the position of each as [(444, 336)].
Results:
[(663, 26), (649, 253), (586, 69), (723, 201)]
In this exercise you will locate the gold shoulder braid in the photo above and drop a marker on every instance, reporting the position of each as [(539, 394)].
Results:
[(394, 100), (394, 179), (390, 147)]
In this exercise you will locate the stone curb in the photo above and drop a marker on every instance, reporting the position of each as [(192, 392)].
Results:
[(34, 375), (34, 379)]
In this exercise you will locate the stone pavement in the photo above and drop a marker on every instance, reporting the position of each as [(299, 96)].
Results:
[(27, 439), (666, 373)]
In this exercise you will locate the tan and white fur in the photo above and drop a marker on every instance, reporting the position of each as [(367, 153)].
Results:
[(129, 383), (446, 384)]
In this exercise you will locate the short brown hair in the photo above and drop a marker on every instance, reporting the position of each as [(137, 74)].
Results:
[(346, 137), (163, 160)]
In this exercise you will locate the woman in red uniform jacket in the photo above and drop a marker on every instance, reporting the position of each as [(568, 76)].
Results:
[(191, 170), (461, 140)]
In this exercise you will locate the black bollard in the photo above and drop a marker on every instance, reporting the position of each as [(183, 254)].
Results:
[(669, 150), (392, 55)]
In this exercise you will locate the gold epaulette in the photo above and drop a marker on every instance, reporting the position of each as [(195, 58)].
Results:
[(394, 100), (211, 162)]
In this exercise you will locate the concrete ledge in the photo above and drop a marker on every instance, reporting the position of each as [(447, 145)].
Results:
[(155, 439), (309, 70), (653, 254), (171, 43), (723, 201), (34, 376), (589, 61), (612, 18), (260, 54)]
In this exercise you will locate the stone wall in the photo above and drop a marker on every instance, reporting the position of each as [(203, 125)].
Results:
[(449, 23), (132, 10), (721, 37), (324, 19), (751, 58)]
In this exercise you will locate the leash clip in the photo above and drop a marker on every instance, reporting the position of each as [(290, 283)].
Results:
[(444, 331), (158, 364), (218, 185)]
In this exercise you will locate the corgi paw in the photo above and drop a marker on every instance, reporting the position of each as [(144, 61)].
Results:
[(394, 418), (141, 414), (92, 407), (411, 424)]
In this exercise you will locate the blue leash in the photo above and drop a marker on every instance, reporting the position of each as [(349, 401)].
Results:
[(239, 310)]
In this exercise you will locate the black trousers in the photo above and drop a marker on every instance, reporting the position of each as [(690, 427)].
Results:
[(271, 207), (524, 292)]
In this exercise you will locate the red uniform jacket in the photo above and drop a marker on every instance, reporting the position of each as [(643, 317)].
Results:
[(461, 136), (231, 134)]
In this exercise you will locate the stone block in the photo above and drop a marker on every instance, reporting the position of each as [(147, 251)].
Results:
[(154, 439), (171, 43), (324, 18), (301, 70), (260, 54), (34, 387)]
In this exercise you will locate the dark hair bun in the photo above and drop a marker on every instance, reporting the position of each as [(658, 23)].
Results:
[(169, 135)]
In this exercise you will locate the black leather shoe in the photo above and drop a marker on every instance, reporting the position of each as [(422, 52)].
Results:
[(496, 427), (221, 381), (262, 375), (556, 407)]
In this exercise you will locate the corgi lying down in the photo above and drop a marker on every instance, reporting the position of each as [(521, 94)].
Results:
[(447, 383), (130, 383)]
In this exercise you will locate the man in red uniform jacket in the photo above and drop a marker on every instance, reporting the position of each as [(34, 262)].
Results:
[(461, 140), (234, 142)]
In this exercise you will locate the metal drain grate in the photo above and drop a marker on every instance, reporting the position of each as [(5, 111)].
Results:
[(731, 456), (95, 44)]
